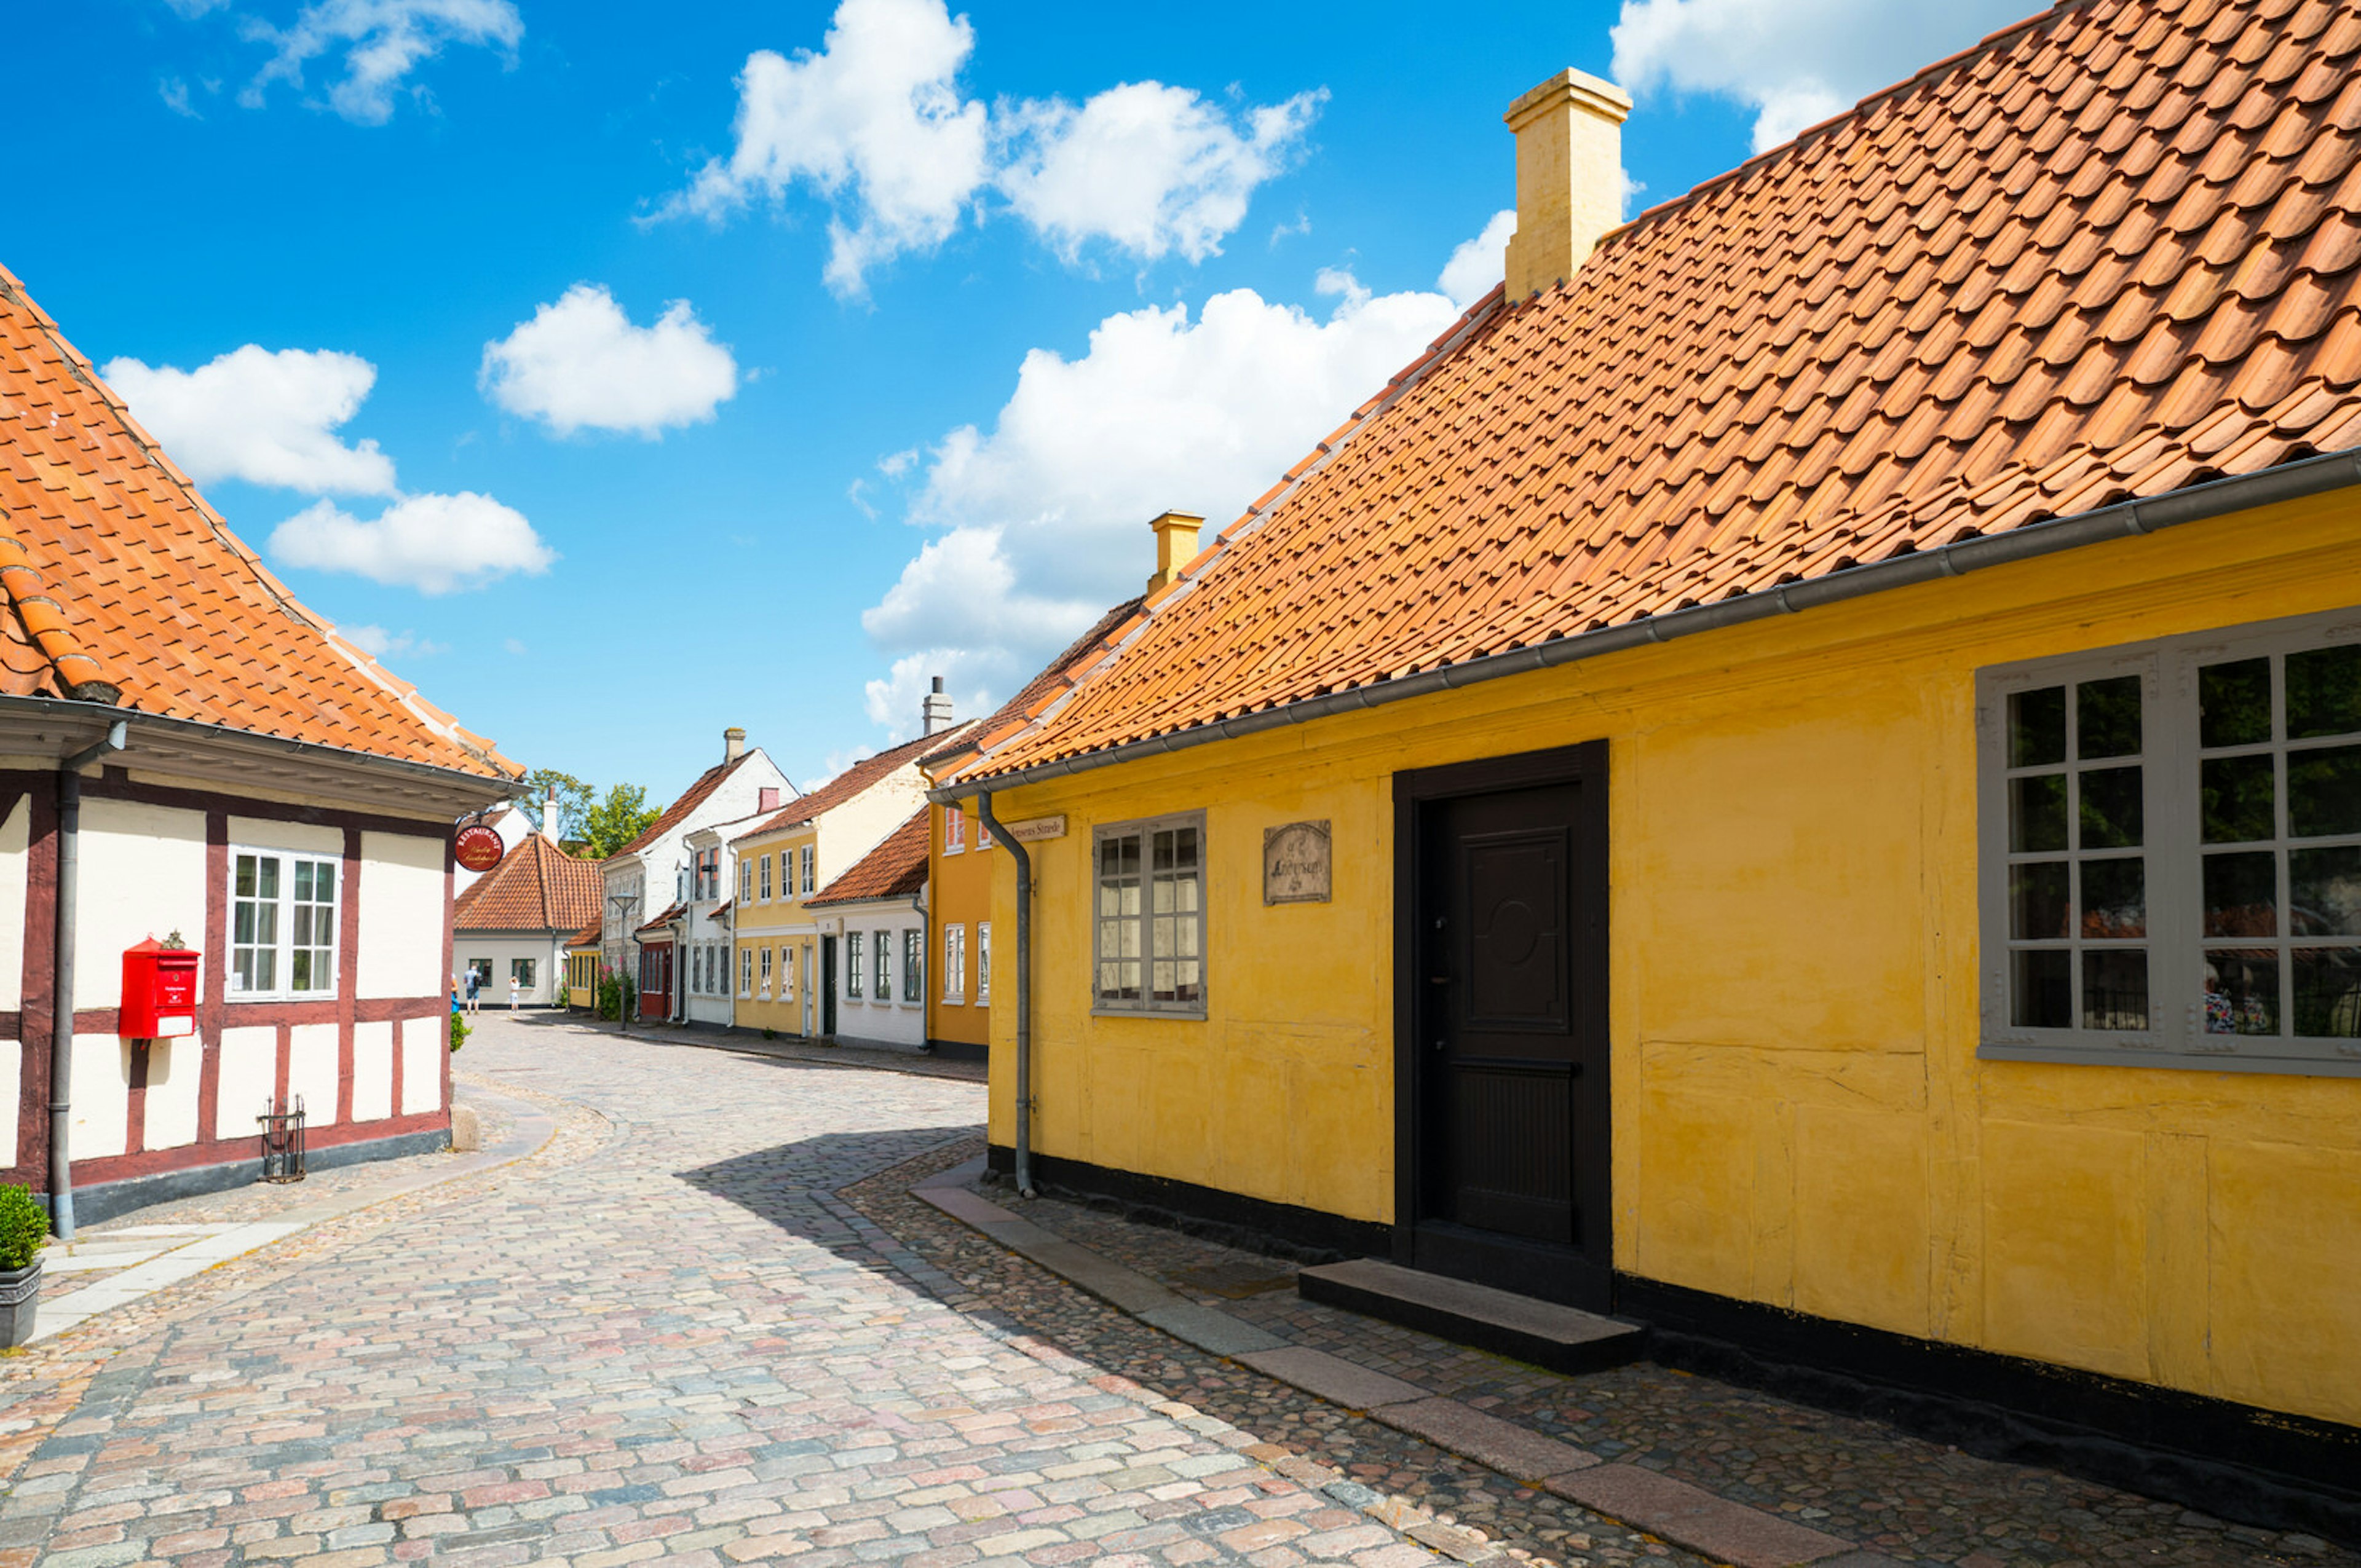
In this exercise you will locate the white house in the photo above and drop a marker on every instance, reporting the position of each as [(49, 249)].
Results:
[(518, 919), (188, 753), (877, 913), (648, 928)]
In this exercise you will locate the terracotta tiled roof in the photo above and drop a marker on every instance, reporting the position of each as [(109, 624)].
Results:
[(536, 887), (722, 909), (894, 868), (1056, 677), (843, 787), (591, 935), (2108, 254), (672, 914), (695, 796), (123, 585)]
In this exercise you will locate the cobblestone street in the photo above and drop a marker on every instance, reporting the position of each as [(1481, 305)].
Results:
[(707, 1322)]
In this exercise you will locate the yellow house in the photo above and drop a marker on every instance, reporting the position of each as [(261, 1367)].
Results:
[(788, 968), (582, 958), (959, 864), (1796, 779)]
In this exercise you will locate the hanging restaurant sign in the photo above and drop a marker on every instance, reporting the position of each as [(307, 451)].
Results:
[(478, 848)]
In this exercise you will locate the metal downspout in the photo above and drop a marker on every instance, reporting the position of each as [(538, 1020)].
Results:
[(1001, 836), (61, 973)]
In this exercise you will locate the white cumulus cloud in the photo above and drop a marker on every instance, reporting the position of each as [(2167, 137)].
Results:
[(581, 364), (1150, 168), (1481, 263), (434, 543), (380, 644), (382, 43), (1795, 63), (1041, 521), (262, 417), (874, 121), (876, 124)]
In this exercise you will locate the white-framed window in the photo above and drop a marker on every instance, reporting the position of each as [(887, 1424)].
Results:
[(808, 860), (1149, 916), (881, 954), (852, 963), (982, 963), (955, 964), (954, 830), (746, 971), (745, 880), (787, 974), (914, 964), (2171, 851), (765, 986), (283, 924), (764, 879)]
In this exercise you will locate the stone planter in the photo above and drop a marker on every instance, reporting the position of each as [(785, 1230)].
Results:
[(20, 1297)]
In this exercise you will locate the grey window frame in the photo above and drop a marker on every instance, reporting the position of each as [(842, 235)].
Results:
[(2176, 1036), (880, 966), (914, 966), (854, 961), (1146, 1006)]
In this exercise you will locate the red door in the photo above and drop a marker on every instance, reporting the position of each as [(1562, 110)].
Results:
[(655, 980)]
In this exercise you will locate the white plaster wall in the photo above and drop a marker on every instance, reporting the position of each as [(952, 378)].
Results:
[(424, 1043), (861, 824), (312, 1072), (548, 958), (865, 1020), (12, 1072), (170, 1119), (141, 874), (249, 1074), (100, 1085), (403, 909), (372, 1071), (304, 837), (14, 834)]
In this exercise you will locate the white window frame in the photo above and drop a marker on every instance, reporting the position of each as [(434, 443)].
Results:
[(1147, 1004), (983, 963), (913, 992), (745, 882), (955, 965), (787, 974), (762, 987), (763, 882), (2176, 1036), (954, 830), (854, 972), (283, 945), (809, 857), (880, 966), (746, 972)]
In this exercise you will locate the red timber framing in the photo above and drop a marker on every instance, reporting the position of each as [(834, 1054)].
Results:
[(33, 1025)]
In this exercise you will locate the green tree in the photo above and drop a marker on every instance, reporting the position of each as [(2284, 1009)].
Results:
[(615, 821), (574, 800)]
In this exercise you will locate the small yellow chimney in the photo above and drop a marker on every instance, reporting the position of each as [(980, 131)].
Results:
[(1176, 546), (1569, 177)]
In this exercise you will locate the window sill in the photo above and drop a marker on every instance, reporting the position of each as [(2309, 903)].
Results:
[(1177, 1014), (2322, 1060)]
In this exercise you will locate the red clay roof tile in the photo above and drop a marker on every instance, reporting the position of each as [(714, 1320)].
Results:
[(536, 887), (122, 586), (2109, 252)]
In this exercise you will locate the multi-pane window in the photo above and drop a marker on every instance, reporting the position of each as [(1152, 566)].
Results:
[(787, 974), (808, 865), (852, 963), (2172, 849), (746, 971), (982, 962), (913, 965), (954, 830), (881, 951), (765, 987), (283, 924), (745, 880), (1149, 915), (521, 971), (765, 863), (955, 964)]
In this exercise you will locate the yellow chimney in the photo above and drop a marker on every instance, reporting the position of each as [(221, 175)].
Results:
[(1569, 177), (1176, 546)]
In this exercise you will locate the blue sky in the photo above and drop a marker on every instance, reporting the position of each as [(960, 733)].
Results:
[(621, 380)]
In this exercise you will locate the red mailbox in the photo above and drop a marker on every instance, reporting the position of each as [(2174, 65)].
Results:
[(160, 992)]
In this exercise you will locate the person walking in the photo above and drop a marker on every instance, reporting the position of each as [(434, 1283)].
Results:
[(474, 981), (515, 987)]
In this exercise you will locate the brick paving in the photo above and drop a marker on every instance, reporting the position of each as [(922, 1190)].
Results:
[(663, 1336)]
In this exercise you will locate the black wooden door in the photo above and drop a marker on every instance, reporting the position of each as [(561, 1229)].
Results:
[(827, 988), (1509, 1065)]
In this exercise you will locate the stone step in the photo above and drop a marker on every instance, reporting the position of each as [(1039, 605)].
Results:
[(1564, 1339)]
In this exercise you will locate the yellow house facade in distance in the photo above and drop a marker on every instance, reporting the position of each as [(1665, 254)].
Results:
[(789, 958), (1797, 780)]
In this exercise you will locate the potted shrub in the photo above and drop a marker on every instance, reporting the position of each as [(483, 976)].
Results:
[(24, 1226)]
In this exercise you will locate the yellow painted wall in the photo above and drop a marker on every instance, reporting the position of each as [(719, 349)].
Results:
[(1799, 1114), (959, 893), (779, 922)]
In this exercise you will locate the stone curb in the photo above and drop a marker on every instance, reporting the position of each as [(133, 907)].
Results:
[(530, 1128), (711, 1037), (1644, 1499)]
